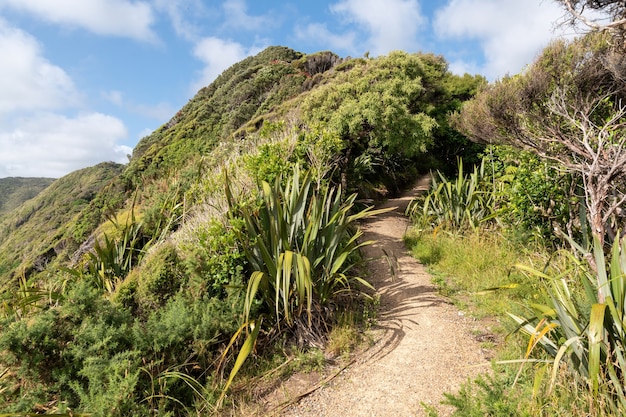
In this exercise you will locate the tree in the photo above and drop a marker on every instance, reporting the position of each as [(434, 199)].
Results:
[(613, 16), (388, 113), (568, 107)]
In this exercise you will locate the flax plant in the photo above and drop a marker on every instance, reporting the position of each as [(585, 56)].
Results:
[(459, 204), (301, 243), (587, 335)]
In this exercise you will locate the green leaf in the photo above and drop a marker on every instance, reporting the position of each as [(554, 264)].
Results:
[(596, 333)]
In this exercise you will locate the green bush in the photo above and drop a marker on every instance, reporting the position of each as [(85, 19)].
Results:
[(213, 259), (534, 196), (70, 352), (159, 277), (272, 160)]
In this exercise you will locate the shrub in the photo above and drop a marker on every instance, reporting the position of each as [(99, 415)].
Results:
[(159, 277), (213, 259), (301, 245), (464, 203)]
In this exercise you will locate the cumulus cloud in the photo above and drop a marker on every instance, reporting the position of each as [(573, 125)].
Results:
[(181, 14), (217, 55), (104, 17), (237, 17), (390, 25), (510, 32), (321, 35), (53, 145), (28, 81)]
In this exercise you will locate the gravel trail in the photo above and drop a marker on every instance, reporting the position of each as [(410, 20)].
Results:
[(424, 345)]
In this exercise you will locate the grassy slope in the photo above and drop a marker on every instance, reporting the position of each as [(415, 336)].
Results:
[(14, 191), (35, 233)]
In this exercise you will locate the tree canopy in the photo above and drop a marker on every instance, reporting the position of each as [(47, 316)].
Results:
[(567, 107)]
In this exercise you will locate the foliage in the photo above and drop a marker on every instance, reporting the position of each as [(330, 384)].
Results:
[(375, 109), (88, 354), (214, 259), (534, 197), (464, 203), (301, 246), (587, 334), (271, 161), (567, 108), (15, 191)]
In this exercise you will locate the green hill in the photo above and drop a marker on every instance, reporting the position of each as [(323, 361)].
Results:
[(140, 270), (39, 230), (15, 190)]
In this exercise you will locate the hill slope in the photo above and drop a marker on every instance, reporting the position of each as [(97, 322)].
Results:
[(376, 119), (14, 191), (36, 232), (141, 270)]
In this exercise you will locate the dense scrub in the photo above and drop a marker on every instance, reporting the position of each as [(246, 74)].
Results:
[(554, 184)]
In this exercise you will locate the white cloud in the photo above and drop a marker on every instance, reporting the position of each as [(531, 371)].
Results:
[(53, 145), (321, 35), (104, 17), (217, 55), (390, 24), (510, 32), (113, 96), (181, 14), (237, 17), (28, 81)]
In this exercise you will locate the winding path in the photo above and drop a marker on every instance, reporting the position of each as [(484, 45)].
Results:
[(424, 346)]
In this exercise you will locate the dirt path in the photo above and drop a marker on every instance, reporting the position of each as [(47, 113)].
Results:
[(424, 345)]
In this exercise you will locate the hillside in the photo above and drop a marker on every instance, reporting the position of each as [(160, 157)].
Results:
[(15, 190), (38, 230), (142, 269), (320, 95)]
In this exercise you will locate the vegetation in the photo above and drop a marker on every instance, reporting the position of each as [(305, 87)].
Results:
[(232, 234), (563, 189), (465, 203), (142, 289), (567, 108), (15, 191)]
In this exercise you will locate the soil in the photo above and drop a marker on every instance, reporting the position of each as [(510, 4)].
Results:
[(423, 346)]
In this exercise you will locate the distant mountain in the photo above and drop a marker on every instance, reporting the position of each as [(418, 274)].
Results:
[(16, 190), (41, 228)]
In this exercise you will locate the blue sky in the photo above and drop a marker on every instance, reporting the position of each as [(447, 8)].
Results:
[(81, 81)]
